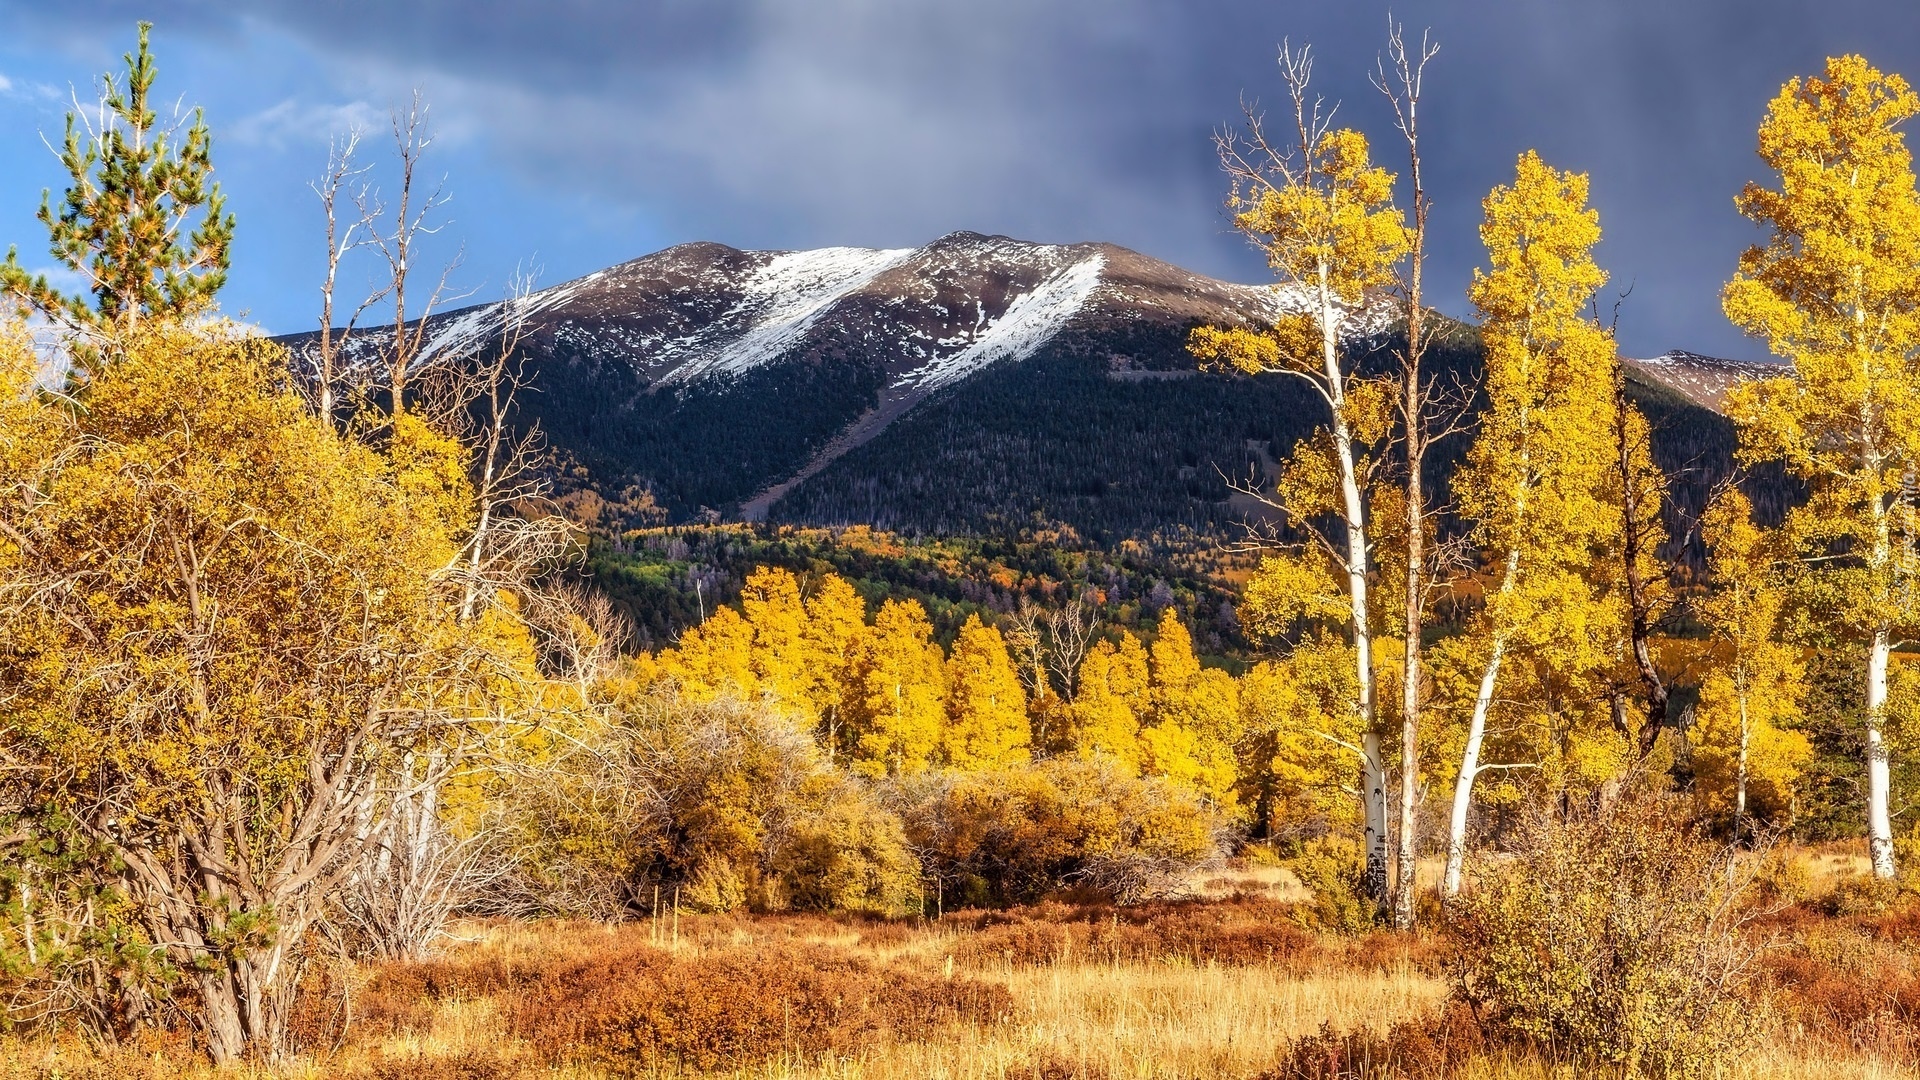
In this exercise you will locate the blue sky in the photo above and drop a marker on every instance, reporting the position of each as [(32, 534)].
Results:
[(578, 133)]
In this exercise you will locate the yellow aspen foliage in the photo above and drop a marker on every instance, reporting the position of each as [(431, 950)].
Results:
[(784, 664), (836, 625), (901, 676), (714, 659), (986, 705), (1301, 735), (1195, 717), (1107, 710), (1745, 763), (1833, 289), (1323, 214), (1534, 477)]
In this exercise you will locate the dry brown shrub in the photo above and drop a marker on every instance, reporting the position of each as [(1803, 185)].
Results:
[(646, 1009), (1415, 1050), (1851, 982), (1238, 932)]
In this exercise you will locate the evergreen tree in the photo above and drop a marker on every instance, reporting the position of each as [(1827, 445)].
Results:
[(127, 223)]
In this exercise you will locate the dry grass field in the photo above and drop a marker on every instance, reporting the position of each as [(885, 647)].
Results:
[(1218, 986)]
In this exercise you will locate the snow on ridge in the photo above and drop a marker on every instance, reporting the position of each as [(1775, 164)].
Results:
[(1028, 323), (779, 304), (468, 331)]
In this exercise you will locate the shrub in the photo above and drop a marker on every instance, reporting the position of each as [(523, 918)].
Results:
[(1015, 835), (725, 803), (1609, 937), (1333, 869), (646, 1010), (1413, 1050), (1243, 932)]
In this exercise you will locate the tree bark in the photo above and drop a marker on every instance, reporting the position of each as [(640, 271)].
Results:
[(1879, 779), (1373, 781)]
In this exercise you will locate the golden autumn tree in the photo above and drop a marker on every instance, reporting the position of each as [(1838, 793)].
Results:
[(895, 725), (986, 705), (1834, 290), (224, 624), (1534, 475), (1300, 736), (1323, 215), (714, 659), (1112, 699), (1756, 681), (786, 666), (1195, 717), (835, 628)]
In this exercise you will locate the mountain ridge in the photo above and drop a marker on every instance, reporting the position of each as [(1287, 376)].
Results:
[(976, 382)]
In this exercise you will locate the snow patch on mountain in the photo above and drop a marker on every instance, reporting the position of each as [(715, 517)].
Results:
[(780, 302), (1028, 323)]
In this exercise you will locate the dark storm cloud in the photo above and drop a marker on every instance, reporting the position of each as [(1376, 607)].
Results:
[(857, 121)]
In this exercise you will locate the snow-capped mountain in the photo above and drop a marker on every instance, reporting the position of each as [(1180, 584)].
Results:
[(976, 383), (792, 359), (1703, 380), (934, 315)]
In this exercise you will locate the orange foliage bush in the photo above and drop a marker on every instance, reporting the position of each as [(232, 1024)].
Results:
[(644, 1008), (1414, 1050), (1233, 932)]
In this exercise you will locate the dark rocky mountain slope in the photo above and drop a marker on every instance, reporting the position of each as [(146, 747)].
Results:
[(976, 384)]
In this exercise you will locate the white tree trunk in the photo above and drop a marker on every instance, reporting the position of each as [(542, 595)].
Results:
[(1470, 768), (1373, 778), (1740, 782), (1476, 734), (1879, 782)]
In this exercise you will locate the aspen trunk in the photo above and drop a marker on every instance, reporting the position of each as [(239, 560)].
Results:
[(1879, 781), (1373, 784), (1476, 734), (1469, 769), (1740, 773)]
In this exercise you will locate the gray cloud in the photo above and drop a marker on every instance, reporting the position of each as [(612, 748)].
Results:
[(774, 123)]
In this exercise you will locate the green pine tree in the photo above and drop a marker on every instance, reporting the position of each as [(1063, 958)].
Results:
[(128, 222)]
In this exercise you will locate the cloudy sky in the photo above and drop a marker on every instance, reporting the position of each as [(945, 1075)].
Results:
[(579, 133)]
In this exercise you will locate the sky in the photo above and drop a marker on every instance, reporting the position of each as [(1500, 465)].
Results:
[(575, 134)]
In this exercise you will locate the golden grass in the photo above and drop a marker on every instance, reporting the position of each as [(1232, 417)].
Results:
[(1073, 1019)]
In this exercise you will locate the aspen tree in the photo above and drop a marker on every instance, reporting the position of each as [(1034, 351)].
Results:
[(1756, 681), (1532, 477), (986, 705), (835, 628), (714, 659), (1425, 416), (901, 678), (1107, 711), (225, 621), (783, 662), (1195, 716), (1322, 213), (1834, 290)]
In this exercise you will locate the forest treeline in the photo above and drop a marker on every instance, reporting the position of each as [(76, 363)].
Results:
[(295, 664)]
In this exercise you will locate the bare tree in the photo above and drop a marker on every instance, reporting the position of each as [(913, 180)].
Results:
[(321, 362), (1027, 642), (1427, 412), (1071, 629)]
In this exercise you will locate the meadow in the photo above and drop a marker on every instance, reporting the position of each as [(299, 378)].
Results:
[(1225, 982)]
